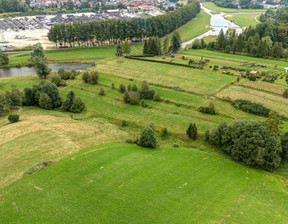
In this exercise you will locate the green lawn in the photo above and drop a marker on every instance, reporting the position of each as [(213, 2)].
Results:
[(244, 19), (215, 8), (121, 183), (195, 27)]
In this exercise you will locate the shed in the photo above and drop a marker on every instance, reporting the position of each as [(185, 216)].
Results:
[(286, 69), (254, 72)]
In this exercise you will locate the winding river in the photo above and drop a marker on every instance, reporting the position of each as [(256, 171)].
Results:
[(217, 23)]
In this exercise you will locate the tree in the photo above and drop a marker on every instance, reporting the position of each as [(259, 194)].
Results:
[(148, 138), (101, 91), (42, 69), (284, 142), (220, 41), (45, 101), (126, 48), (70, 5), (192, 131), (67, 104), (13, 118), (176, 42), (119, 51), (122, 88), (37, 54), (94, 77), (145, 48), (4, 59), (78, 105), (166, 45), (274, 122)]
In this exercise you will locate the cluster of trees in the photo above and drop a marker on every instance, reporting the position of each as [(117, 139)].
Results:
[(152, 46), (10, 99), (115, 31), (91, 77), (244, 4), (12, 6), (59, 78), (251, 107), (226, 4), (73, 104), (208, 110), (132, 95), (253, 41), (251, 142)]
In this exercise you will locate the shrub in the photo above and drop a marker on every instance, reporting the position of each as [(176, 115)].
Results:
[(101, 91), (285, 93), (78, 105), (192, 131), (157, 97), (175, 145), (284, 143), (144, 91), (56, 79), (67, 104), (86, 77), (252, 78), (251, 107), (131, 97), (148, 138), (13, 118), (143, 103), (113, 86), (215, 67), (134, 88), (94, 77), (208, 110), (122, 88), (124, 123), (45, 101), (249, 142), (163, 132)]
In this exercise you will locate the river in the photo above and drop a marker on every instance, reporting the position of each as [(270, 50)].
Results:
[(217, 23), (8, 72)]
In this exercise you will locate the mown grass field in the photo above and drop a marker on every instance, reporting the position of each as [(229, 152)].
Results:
[(244, 19), (195, 27), (215, 8), (121, 183)]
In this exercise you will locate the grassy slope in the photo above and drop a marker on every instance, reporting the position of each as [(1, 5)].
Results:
[(120, 183), (195, 27), (212, 6), (243, 20)]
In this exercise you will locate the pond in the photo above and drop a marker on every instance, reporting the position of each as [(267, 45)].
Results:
[(8, 72), (217, 23)]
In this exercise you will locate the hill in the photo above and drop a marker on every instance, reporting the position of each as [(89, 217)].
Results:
[(121, 183)]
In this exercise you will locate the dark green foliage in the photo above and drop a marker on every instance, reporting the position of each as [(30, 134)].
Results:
[(285, 93), (148, 138), (134, 88), (284, 142), (12, 99), (13, 118), (251, 107), (4, 60), (101, 91), (91, 78), (78, 105), (28, 98), (143, 103), (153, 46), (274, 122), (131, 97), (42, 69), (86, 77), (122, 88), (163, 132), (67, 104), (249, 142), (176, 42), (144, 91), (119, 51), (124, 123), (56, 79), (192, 131), (45, 101), (252, 78), (208, 110), (157, 97)]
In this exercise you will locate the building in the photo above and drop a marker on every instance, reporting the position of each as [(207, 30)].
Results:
[(286, 69)]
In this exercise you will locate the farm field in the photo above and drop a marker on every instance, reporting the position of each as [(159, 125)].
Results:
[(266, 86), (244, 19), (118, 183)]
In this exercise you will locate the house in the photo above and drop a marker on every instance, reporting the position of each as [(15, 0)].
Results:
[(253, 72), (286, 69), (6, 48)]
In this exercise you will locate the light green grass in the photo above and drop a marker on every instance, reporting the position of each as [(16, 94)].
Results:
[(244, 19), (195, 27), (215, 8), (121, 183)]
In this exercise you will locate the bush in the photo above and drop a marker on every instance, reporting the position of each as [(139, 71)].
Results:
[(157, 97), (163, 132), (215, 67), (94, 77), (192, 131), (86, 77), (285, 93), (145, 93), (13, 118), (251, 107), (101, 91), (56, 79), (208, 110), (45, 101), (131, 97), (148, 138), (143, 103), (78, 105), (134, 88), (124, 123), (252, 78), (122, 88), (67, 104), (249, 142), (284, 142)]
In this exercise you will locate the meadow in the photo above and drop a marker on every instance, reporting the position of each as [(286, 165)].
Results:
[(122, 183), (117, 182), (243, 19), (215, 8)]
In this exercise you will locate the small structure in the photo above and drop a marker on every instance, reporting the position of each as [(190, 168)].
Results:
[(253, 72), (286, 69), (6, 48)]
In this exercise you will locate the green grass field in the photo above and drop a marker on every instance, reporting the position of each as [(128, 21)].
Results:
[(215, 8), (244, 19), (195, 27), (120, 183)]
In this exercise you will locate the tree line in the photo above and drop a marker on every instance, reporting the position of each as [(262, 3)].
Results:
[(116, 31), (258, 42)]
